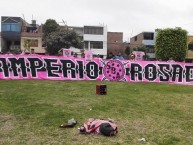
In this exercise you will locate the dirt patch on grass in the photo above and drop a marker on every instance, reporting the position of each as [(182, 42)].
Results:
[(7, 122)]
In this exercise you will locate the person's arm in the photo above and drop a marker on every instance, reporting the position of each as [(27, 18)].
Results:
[(60, 50)]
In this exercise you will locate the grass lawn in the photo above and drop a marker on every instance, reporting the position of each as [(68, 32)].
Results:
[(31, 112)]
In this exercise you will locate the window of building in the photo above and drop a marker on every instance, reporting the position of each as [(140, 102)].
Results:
[(34, 43), (6, 27), (148, 36), (13, 27), (86, 44), (150, 48), (93, 30), (17, 43), (190, 46), (135, 38), (96, 44)]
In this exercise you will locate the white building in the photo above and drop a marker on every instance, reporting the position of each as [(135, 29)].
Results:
[(94, 38), (0, 42)]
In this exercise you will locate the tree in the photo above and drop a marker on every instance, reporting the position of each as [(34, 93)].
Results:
[(171, 43), (62, 38), (57, 37), (49, 27)]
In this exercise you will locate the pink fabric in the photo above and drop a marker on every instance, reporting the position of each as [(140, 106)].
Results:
[(138, 55), (41, 67), (88, 55), (66, 52), (93, 125)]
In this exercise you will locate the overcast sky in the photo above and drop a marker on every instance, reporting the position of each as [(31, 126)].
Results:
[(128, 16)]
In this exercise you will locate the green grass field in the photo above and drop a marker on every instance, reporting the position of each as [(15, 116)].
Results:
[(31, 112)]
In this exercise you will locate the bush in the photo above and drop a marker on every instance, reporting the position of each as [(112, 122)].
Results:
[(171, 43)]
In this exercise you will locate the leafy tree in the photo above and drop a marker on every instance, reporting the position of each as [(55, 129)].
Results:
[(49, 27), (171, 43), (62, 38)]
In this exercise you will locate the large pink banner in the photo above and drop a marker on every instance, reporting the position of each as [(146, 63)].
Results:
[(70, 68)]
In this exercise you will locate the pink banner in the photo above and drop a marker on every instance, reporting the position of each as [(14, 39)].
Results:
[(70, 68)]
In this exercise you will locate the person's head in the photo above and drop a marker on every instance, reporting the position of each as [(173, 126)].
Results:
[(132, 56), (119, 54), (32, 51), (110, 54), (98, 56)]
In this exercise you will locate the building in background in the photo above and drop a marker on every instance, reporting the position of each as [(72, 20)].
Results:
[(94, 38), (0, 42), (115, 43), (147, 39), (10, 33), (189, 54), (33, 33), (14, 32)]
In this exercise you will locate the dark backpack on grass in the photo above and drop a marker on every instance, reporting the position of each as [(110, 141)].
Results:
[(107, 130)]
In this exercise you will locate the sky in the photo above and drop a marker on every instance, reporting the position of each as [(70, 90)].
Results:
[(128, 16)]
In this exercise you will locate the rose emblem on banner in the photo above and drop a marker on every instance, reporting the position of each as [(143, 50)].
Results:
[(114, 70)]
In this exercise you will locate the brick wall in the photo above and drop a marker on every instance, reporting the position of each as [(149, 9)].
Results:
[(115, 42), (136, 40)]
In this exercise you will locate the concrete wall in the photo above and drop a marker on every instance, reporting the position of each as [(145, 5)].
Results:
[(3, 44), (134, 43), (189, 54)]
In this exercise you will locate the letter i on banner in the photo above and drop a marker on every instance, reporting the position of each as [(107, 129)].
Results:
[(66, 52), (88, 55)]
